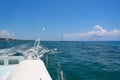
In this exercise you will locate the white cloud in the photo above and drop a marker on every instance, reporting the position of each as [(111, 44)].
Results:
[(98, 33), (6, 34)]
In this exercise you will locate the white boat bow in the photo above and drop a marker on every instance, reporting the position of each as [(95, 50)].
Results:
[(30, 70)]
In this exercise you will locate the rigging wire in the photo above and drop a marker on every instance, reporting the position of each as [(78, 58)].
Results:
[(57, 67), (31, 16), (33, 28)]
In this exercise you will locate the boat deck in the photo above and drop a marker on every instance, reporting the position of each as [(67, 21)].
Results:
[(5, 69), (8, 64)]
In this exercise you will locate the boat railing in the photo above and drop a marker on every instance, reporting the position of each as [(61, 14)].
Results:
[(10, 60)]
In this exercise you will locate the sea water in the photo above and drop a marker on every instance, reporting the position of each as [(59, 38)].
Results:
[(79, 60)]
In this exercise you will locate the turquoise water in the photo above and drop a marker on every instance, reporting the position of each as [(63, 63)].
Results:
[(78, 60)]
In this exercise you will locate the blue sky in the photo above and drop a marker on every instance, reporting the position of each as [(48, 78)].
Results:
[(76, 19)]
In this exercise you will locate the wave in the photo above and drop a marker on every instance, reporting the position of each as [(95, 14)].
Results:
[(13, 50)]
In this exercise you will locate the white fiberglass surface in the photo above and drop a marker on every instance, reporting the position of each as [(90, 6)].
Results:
[(5, 69)]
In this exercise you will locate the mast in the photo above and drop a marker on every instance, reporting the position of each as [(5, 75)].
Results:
[(61, 37)]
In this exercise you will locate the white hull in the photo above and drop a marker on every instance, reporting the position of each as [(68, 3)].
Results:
[(30, 70)]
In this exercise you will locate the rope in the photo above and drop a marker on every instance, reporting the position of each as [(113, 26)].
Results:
[(46, 60)]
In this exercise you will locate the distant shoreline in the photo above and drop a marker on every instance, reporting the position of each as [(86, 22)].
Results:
[(11, 39)]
